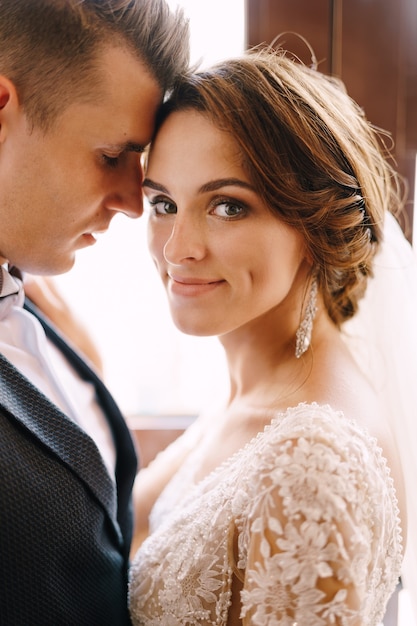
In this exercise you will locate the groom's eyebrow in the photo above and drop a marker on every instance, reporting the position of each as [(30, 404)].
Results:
[(130, 146)]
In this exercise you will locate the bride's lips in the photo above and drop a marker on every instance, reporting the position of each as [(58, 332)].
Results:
[(189, 286)]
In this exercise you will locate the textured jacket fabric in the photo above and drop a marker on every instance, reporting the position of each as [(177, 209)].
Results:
[(65, 527)]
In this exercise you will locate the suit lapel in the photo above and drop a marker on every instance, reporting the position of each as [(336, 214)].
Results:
[(126, 464), (59, 434)]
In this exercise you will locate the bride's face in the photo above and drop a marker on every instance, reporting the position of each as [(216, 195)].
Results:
[(226, 261)]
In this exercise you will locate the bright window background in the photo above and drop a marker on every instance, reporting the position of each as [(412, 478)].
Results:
[(150, 367)]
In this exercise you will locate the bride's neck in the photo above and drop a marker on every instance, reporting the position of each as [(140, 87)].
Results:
[(262, 365)]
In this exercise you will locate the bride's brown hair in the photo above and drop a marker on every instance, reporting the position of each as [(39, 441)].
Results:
[(311, 155)]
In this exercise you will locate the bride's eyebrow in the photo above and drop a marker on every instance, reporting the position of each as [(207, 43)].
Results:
[(212, 185), (147, 182)]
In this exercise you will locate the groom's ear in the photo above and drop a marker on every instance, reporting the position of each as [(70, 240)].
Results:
[(9, 106)]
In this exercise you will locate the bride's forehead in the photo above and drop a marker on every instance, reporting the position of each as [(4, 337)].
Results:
[(188, 137), (189, 126)]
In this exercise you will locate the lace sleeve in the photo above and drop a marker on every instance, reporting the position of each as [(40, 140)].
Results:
[(310, 548)]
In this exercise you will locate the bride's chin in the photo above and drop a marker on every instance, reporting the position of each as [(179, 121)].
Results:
[(194, 328)]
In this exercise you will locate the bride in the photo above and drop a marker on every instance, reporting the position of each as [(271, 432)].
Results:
[(268, 193)]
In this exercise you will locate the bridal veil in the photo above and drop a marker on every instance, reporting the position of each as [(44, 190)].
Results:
[(383, 339)]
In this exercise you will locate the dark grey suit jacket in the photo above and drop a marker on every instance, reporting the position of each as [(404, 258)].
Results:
[(65, 528)]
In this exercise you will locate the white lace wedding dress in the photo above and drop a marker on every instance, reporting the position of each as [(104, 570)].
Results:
[(310, 497)]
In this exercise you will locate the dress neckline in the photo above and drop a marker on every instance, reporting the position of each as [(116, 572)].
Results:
[(278, 417)]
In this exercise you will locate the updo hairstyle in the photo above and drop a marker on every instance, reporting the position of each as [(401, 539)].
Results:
[(310, 153)]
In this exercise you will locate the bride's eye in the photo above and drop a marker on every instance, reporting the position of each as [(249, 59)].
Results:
[(162, 206), (228, 210)]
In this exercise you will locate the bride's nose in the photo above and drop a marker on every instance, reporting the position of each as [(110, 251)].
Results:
[(186, 242)]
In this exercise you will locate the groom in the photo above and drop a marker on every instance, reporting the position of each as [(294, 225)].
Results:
[(80, 84)]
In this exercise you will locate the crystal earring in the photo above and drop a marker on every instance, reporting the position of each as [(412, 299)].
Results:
[(303, 334)]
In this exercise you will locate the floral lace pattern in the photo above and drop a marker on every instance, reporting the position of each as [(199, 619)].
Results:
[(309, 500)]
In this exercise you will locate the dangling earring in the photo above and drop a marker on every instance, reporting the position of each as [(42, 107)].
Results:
[(303, 334)]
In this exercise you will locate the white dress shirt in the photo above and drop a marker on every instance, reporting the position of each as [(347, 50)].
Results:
[(24, 343)]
